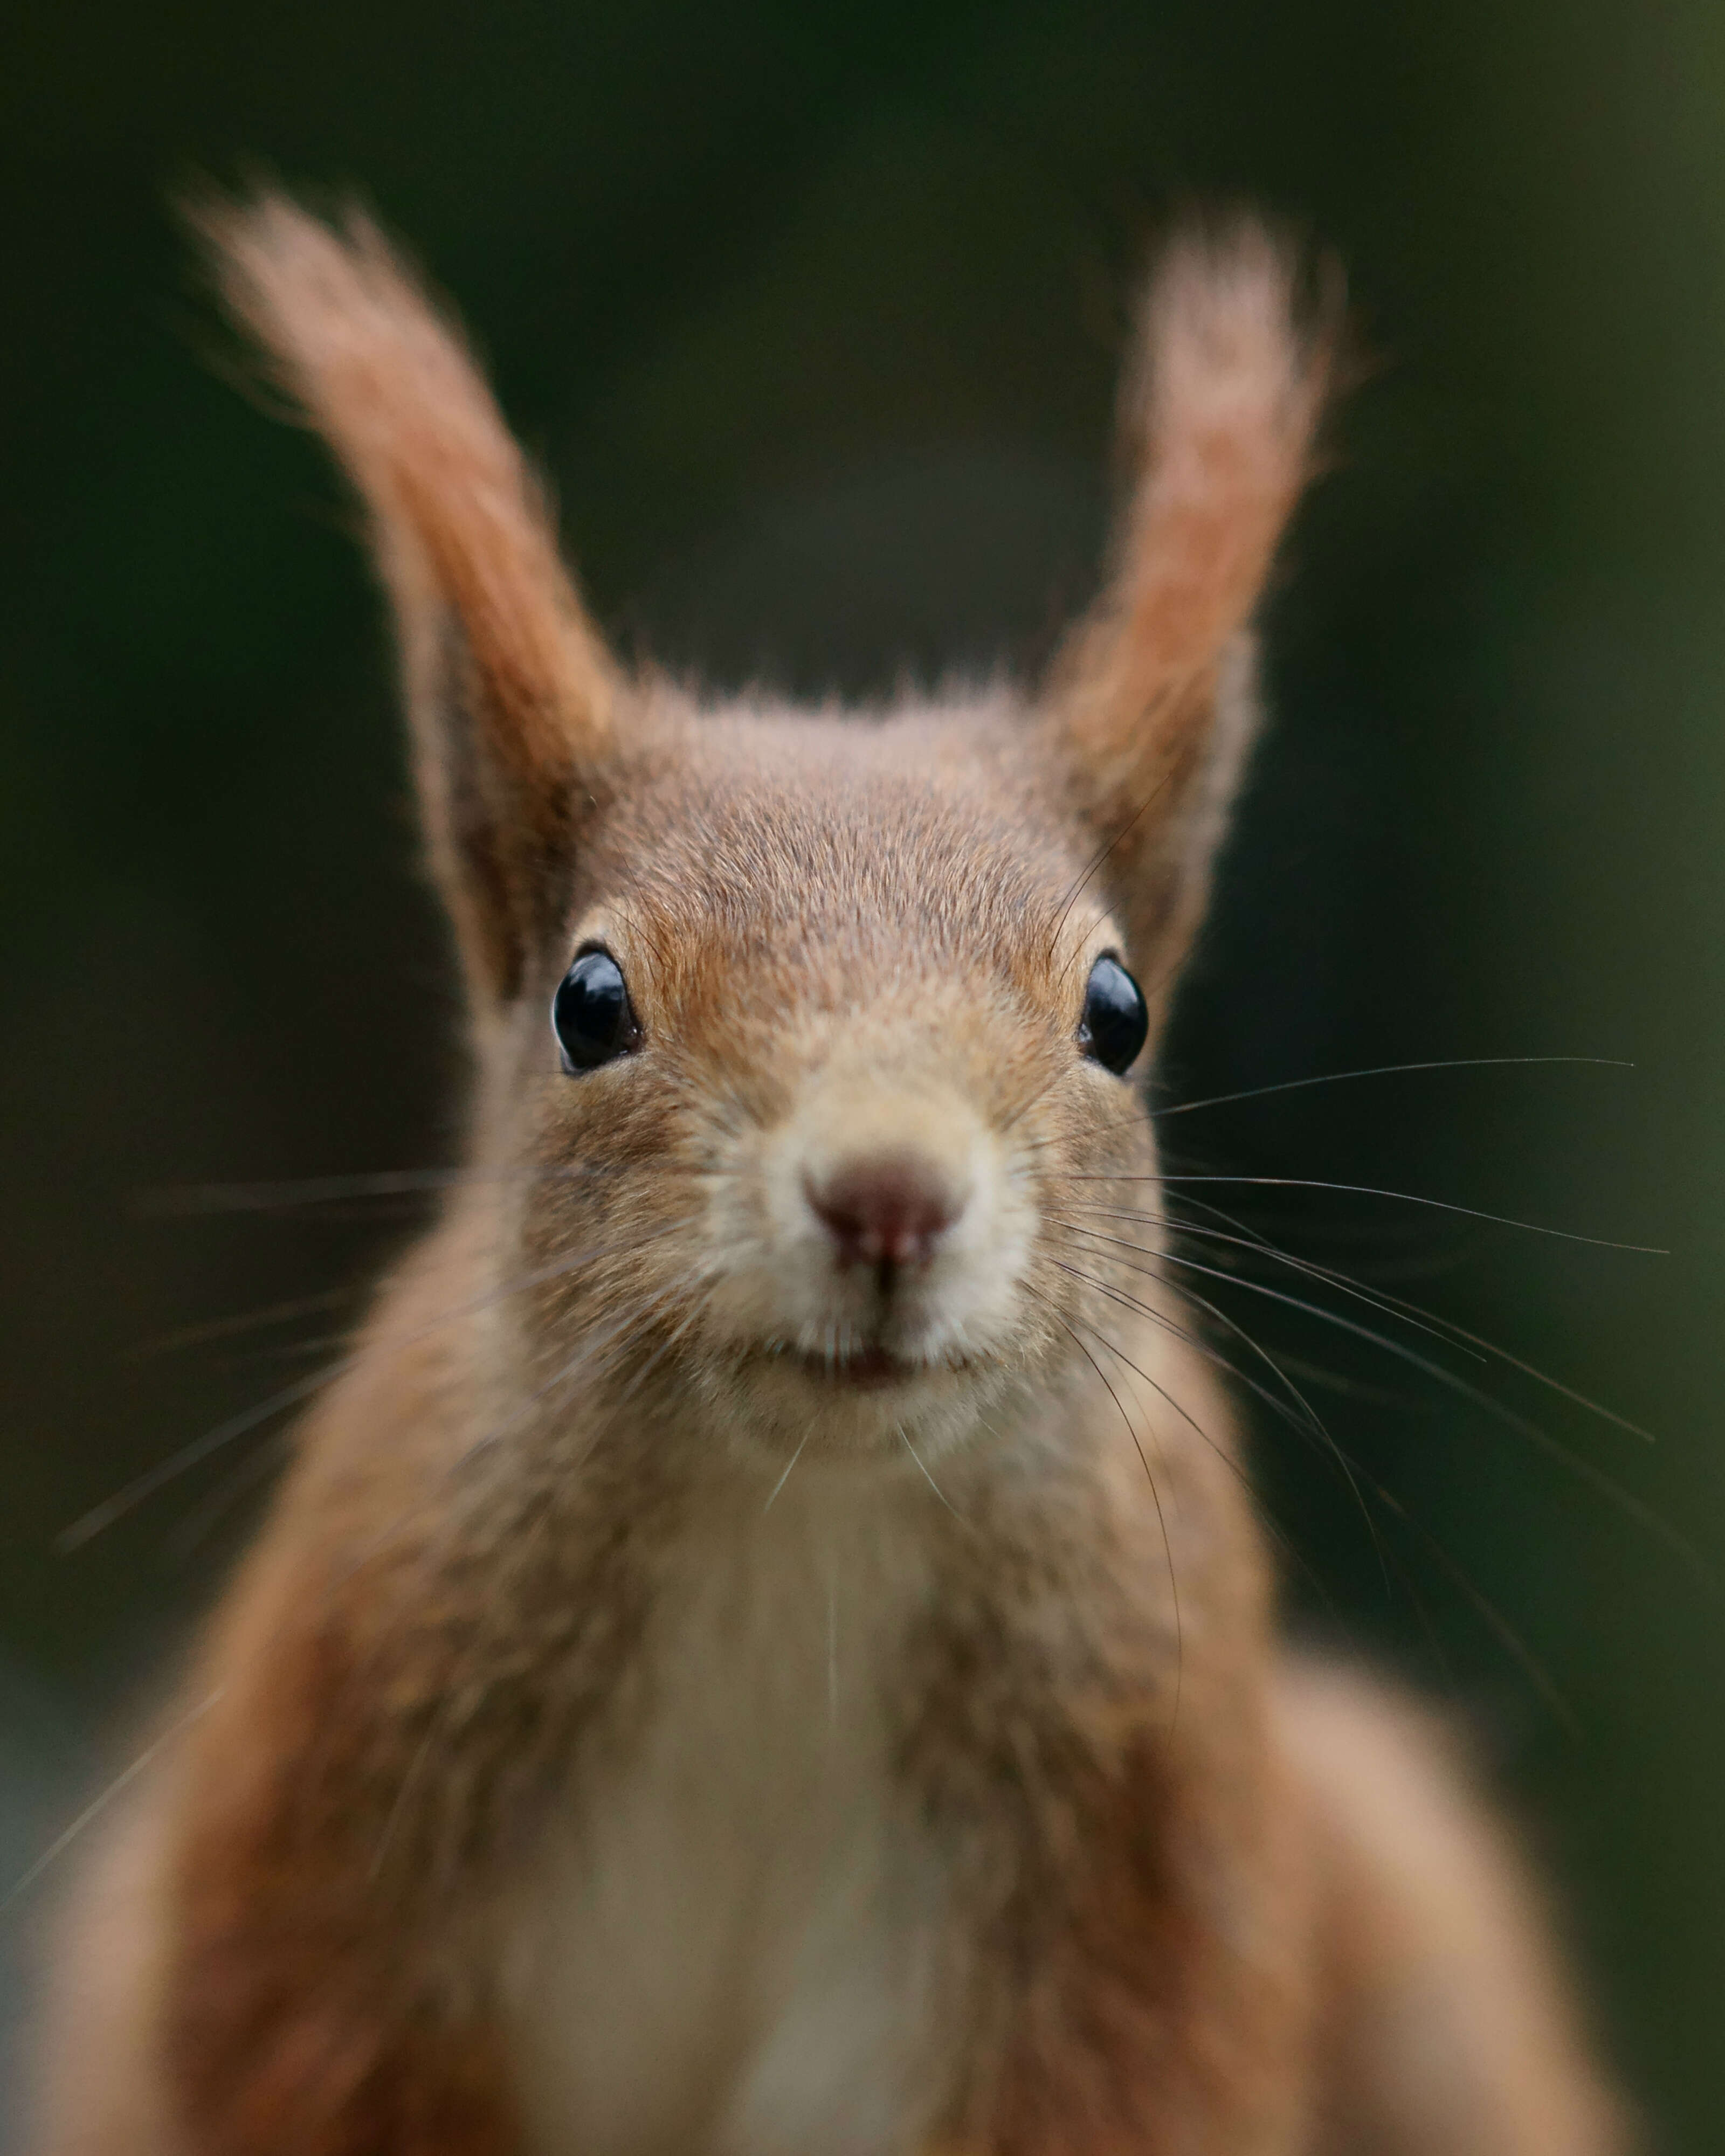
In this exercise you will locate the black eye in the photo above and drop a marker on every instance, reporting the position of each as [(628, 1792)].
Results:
[(591, 1014), (1115, 1021)]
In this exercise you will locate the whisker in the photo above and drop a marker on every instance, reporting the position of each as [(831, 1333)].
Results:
[(649, 935), (204, 1518), (135, 1492), (1035, 1101), (667, 1345), (1168, 1325), (1168, 1550), (1605, 1485), (1283, 1540), (1389, 1304), (832, 1650), (1352, 1473), (1147, 1110), (285, 1351), (1099, 856), (1583, 1470), (926, 1476), (1390, 1071), (1405, 1197), (251, 1321), (561, 1383), (1138, 1119), (786, 1477), (388, 1182), (1506, 1633), (94, 1810), (145, 1485), (1349, 1385), (1312, 1425), (1429, 1320), (584, 1362), (1320, 1429), (1355, 1474)]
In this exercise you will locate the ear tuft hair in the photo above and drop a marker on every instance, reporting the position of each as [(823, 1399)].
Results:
[(1152, 695), (511, 694)]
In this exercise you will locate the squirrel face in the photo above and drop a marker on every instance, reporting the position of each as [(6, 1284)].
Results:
[(858, 961), (845, 1006)]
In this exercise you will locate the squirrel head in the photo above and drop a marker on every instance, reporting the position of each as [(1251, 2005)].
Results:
[(801, 1039)]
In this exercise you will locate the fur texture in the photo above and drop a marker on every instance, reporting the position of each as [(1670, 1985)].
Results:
[(699, 1694)]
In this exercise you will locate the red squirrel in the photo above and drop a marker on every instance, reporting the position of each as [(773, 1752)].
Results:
[(765, 1648)]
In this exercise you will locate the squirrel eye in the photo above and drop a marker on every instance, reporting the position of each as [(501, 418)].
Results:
[(591, 1014), (1115, 1021)]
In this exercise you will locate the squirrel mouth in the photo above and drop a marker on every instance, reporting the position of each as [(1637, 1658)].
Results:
[(865, 1370)]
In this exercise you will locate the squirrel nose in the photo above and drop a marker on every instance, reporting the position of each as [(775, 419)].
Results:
[(888, 1209)]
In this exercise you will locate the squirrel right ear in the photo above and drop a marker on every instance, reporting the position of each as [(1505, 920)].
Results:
[(511, 696), (1151, 703)]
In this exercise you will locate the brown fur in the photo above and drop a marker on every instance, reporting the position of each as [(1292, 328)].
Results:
[(1137, 1885)]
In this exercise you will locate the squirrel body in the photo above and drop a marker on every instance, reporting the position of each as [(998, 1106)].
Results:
[(766, 1646)]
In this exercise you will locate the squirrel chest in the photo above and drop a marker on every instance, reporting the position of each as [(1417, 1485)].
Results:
[(725, 1943)]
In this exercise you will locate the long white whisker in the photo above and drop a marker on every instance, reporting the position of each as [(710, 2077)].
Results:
[(1389, 1070), (1167, 1549), (1583, 1470), (384, 1183), (1313, 1421), (1376, 1299), (1404, 1197), (153, 1479), (926, 1476), (785, 1476), (1414, 1313), (94, 1810)]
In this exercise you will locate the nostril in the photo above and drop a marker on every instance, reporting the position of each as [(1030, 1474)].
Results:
[(887, 1209)]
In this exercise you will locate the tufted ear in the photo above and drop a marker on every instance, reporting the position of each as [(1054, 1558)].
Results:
[(511, 696), (1152, 700)]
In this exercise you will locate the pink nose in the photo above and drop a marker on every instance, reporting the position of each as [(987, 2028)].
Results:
[(886, 1210)]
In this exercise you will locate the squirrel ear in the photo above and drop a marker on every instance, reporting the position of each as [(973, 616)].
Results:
[(1151, 698), (510, 692)]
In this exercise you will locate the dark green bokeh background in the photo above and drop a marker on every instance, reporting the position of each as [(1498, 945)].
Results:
[(811, 313)]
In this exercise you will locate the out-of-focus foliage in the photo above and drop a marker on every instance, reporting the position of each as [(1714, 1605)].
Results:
[(812, 314)]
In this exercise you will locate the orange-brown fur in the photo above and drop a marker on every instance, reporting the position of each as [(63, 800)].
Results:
[(1160, 1891)]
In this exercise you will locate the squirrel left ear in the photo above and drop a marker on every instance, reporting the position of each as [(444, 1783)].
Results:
[(512, 697), (1152, 700)]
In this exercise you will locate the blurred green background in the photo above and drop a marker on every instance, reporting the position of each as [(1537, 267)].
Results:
[(812, 314)]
